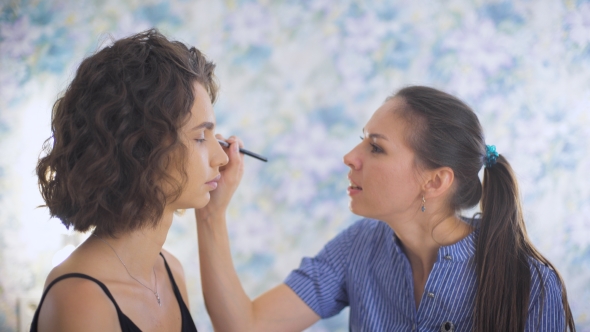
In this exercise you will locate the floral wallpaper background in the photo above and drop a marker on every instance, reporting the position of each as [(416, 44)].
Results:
[(299, 79)]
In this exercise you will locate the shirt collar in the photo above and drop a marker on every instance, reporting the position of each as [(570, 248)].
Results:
[(460, 251)]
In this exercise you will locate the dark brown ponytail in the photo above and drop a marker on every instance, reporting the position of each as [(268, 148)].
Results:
[(502, 256), (447, 133)]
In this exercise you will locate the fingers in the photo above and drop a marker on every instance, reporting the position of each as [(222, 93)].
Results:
[(235, 157), (230, 140), (231, 175), (234, 154), (233, 139)]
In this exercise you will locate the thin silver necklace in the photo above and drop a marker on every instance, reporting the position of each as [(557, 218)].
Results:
[(141, 283)]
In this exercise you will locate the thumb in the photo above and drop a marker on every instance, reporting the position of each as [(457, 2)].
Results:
[(235, 164)]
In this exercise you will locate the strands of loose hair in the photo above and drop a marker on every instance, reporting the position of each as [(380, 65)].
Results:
[(115, 134)]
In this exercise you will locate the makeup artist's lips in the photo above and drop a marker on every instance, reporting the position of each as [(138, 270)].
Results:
[(213, 183), (353, 188)]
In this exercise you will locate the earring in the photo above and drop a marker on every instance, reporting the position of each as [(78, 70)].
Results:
[(423, 208)]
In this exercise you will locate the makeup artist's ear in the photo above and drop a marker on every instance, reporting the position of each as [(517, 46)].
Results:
[(437, 181)]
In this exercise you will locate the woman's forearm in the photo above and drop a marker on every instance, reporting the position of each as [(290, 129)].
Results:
[(230, 309), (228, 305)]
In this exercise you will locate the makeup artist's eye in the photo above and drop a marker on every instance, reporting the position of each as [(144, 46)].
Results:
[(361, 137), (376, 149)]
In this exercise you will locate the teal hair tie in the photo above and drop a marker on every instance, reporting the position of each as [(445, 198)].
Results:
[(491, 155)]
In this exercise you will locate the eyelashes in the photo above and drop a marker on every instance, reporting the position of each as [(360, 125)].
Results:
[(374, 147)]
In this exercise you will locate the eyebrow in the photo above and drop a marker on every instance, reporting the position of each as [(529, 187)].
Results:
[(206, 125), (374, 136), (378, 136)]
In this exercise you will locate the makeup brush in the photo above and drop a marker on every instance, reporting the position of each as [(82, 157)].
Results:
[(244, 151)]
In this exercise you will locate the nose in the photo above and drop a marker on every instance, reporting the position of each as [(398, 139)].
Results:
[(218, 157), (352, 159)]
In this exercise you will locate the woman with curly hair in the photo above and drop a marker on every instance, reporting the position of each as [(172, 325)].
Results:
[(132, 141), (413, 263)]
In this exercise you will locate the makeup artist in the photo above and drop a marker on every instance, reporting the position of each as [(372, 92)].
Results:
[(413, 263), (133, 140)]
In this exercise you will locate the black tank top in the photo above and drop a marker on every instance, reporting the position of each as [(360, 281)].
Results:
[(126, 324)]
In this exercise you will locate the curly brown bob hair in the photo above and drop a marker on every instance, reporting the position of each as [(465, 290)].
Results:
[(115, 134)]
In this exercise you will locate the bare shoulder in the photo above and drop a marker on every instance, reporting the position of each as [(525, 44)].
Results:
[(58, 271), (77, 304)]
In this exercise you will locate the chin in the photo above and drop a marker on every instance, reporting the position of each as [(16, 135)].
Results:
[(354, 208), (199, 203), (203, 201), (360, 211)]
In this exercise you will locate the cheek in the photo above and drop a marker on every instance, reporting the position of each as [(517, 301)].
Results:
[(197, 167), (394, 186)]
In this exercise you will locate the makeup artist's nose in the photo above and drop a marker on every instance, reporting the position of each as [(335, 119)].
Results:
[(352, 160)]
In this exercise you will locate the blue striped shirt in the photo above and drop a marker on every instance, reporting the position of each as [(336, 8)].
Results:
[(365, 268)]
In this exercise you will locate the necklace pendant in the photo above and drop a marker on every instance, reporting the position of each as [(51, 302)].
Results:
[(158, 298)]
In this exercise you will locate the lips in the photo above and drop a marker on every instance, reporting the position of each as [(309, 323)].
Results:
[(213, 183), (353, 185), (353, 188)]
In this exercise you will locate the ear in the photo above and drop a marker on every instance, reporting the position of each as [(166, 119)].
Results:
[(438, 182)]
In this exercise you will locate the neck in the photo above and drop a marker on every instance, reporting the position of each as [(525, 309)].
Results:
[(138, 249), (423, 235)]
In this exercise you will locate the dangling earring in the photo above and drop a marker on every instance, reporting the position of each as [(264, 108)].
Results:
[(423, 208)]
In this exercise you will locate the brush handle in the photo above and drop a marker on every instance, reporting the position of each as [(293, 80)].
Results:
[(244, 151)]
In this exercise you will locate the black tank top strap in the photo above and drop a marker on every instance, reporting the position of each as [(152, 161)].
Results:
[(188, 325), (172, 281), (126, 323)]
